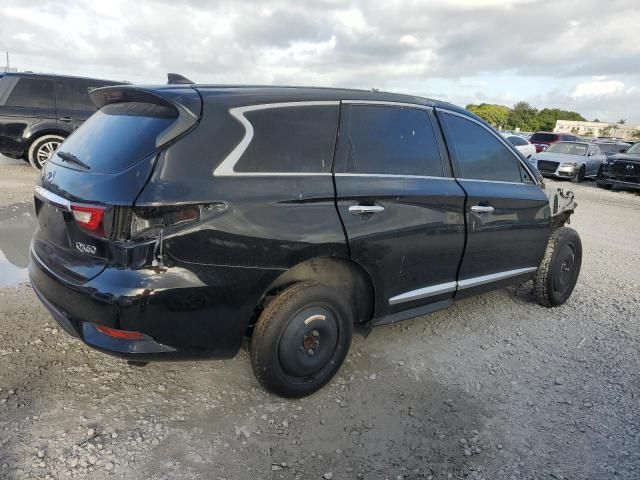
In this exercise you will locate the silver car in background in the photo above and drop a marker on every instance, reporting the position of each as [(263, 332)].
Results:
[(573, 160)]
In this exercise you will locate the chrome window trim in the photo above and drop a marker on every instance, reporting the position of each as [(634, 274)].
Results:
[(226, 167), (501, 139), (493, 181), (388, 104), (423, 293), (391, 175), (494, 277), (52, 198), (447, 287)]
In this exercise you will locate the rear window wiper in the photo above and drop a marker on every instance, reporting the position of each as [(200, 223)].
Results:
[(71, 158)]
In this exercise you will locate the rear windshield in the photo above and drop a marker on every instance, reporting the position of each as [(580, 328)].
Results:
[(117, 136), (543, 137)]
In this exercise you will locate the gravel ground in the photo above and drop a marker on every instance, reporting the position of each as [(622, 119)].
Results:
[(496, 387)]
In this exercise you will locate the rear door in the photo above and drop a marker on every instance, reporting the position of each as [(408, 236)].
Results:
[(400, 206), (30, 102), (73, 104), (507, 214)]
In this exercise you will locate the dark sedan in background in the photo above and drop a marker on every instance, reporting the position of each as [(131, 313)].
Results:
[(621, 170)]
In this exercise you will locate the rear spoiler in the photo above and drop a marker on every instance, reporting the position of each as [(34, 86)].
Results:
[(185, 102)]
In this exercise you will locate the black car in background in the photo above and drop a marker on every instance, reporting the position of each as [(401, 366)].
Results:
[(37, 112), (179, 219), (621, 170)]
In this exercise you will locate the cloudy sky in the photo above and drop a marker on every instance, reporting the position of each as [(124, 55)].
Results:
[(582, 55)]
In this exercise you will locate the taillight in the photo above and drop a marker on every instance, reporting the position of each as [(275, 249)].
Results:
[(89, 218)]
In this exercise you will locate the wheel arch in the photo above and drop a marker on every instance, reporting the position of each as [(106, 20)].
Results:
[(335, 271)]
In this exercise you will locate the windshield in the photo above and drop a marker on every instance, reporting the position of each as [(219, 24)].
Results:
[(635, 149), (115, 137), (543, 137), (569, 148)]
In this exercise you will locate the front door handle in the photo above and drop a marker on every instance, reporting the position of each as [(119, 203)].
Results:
[(65, 119), (482, 209), (362, 209)]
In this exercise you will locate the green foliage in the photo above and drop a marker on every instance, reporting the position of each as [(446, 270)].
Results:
[(523, 116), (636, 134), (496, 115)]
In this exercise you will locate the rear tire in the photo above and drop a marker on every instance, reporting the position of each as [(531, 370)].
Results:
[(558, 273), (42, 148), (579, 177), (301, 339)]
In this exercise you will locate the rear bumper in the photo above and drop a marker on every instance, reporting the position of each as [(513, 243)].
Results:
[(194, 312)]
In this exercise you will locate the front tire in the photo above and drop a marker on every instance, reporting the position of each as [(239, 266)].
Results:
[(579, 177), (301, 339), (558, 273), (42, 148)]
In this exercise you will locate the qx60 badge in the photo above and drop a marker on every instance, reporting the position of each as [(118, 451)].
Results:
[(84, 248)]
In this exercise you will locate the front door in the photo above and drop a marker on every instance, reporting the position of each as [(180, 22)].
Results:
[(401, 208), (507, 215)]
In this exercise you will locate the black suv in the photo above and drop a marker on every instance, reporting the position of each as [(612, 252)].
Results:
[(37, 112), (178, 220)]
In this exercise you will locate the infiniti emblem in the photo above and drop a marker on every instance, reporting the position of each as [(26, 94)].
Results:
[(50, 175)]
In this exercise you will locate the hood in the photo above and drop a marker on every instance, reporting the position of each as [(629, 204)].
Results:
[(627, 157), (558, 157)]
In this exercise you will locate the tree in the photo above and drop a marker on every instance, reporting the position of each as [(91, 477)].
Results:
[(636, 134), (622, 121), (523, 116), (547, 117), (597, 120), (496, 115)]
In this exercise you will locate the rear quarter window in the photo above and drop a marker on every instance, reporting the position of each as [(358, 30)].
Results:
[(33, 93), (297, 139)]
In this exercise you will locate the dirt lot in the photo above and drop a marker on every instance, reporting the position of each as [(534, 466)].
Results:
[(496, 387)]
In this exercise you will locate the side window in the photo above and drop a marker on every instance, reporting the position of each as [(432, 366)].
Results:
[(479, 155), (390, 140), (74, 95), (32, 92), (291, 140)]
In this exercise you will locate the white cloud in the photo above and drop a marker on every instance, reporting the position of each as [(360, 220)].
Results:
[(597, 88)]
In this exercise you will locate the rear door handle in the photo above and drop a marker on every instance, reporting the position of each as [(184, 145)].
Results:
[(65, 119), (482, 209), (362, 209)]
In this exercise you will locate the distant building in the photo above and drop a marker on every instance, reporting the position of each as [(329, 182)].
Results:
[(597, 129)]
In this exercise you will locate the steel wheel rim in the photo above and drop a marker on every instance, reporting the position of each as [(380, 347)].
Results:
[(309, 341), (46, 150), (564, 275)]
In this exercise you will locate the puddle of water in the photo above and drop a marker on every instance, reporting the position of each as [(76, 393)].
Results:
[(17, 223)]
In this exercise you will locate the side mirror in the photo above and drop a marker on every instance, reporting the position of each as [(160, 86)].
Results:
[(590, 154)]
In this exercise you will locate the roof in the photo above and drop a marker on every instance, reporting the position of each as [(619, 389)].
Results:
[(248, 94)]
